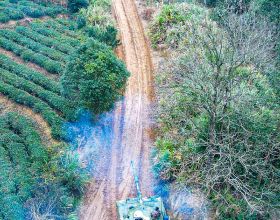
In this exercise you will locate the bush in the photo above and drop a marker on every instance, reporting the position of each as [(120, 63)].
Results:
[(94, 77), (107, 35), (33, 45), (40, 174), (37, 105), (4, 18), (49, 42), (173, 23), (28, 55), (53, 100), (29, 74), (75, 5), (81, 22), (49, 32)]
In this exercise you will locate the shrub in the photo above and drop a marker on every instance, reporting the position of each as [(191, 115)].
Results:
[(41, 28), (33, 45), (107, 35), (40, 175), (37, 105), (173, 23), (81, 22), (53, 100), (29, 74), (4, 18), (75, 5), (28, 55), (49, 42)]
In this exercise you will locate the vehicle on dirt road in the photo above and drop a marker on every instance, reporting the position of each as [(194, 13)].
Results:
[(141, 208)]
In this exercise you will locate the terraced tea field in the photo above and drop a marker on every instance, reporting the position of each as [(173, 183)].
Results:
[(47, 45), (16, 10), (33, 55)]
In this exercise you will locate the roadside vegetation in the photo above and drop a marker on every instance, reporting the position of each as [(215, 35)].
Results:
[(218, 103), (75, 69)]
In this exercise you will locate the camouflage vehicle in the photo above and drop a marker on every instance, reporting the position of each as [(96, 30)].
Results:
[(141, 208)]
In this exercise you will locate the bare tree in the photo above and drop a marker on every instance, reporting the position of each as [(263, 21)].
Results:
[(219, 94)]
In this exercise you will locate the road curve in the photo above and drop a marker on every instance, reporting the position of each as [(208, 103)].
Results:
[(130, 125)]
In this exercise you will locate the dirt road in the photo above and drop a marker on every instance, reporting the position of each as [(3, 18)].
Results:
[(130, 126)]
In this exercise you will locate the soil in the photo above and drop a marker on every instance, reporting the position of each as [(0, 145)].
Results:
[(132, 124)]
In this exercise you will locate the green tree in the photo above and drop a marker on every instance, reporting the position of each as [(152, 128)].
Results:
[(94, 78)]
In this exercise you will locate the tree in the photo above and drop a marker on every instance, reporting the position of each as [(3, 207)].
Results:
[(75, 5), (220, 117), (94, 78)]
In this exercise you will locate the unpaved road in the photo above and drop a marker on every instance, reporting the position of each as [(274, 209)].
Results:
[(131, 124)]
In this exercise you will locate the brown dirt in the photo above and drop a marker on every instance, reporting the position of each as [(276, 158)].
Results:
[(7, 106), (29, 64), (133, 141)]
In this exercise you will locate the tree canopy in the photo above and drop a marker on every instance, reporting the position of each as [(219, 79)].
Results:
[(94, 78)]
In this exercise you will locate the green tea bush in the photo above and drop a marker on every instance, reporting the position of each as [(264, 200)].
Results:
[(61, 28), (23, 98), (33, 45), (47, 41), (29, 74), (14, 14), (4, 18), (40, 175), (28, 55), (49, 32), (52, 99), (15, 10)]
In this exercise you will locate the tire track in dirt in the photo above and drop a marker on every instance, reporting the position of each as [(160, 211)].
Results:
[(131, 123)]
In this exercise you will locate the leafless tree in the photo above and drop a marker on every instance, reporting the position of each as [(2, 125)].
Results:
[(217, 79)]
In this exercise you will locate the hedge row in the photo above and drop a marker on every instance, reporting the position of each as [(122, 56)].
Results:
[(31, 138), (63, 29), (8, 14), (22, 97), (33, 45), (9, 11), (47, 41), (49, 32), (8, 187), (28, 55), (34, 10), (22, 158), (70, 24), (29, 74), (53, 100)]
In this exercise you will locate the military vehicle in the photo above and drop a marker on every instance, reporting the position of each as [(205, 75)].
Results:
[(141, 208)]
